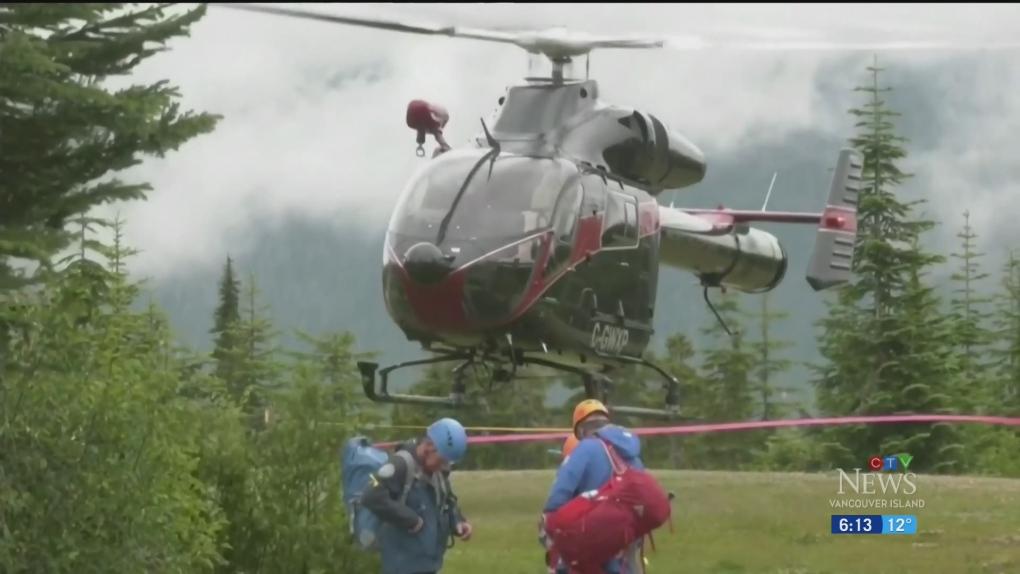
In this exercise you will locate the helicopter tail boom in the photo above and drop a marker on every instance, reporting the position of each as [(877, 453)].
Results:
[(832, 258), (718, 245), (719, 253)]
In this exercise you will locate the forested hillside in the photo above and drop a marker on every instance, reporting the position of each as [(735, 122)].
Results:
[(123, 449)]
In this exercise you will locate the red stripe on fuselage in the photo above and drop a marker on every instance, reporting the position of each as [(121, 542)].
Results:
[(441, 308)]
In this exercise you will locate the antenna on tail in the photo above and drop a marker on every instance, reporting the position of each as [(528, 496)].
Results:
[(765, 205)]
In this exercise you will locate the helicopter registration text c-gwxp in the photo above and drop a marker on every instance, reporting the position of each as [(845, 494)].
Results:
[(540, 242)]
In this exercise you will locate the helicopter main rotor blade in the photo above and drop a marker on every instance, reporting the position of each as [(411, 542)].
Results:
[(562, 43), (696, 43), (871, 47), (377, 23), (557, 42)]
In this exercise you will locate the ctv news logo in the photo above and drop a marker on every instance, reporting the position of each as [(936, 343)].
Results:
[(886, 483)]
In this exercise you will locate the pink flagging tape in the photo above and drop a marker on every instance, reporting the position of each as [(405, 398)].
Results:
[(756, 425)]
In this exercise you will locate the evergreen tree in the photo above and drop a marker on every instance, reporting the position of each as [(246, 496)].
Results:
[(94, 434), (992, 361), (297, 511), (252, 364), (670, 452), (225, 468), (1006, 353), (228, 309), (260, 370), (225, 323), (231, 406), (64, 129), (885, 340), (970, 315), (298, 483), (726, 390), (334, 356), (773, 398)]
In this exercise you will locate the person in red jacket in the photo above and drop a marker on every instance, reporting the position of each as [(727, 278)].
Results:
[(590, 467)]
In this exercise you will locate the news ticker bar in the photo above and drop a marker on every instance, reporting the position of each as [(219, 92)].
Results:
[(873, 524)]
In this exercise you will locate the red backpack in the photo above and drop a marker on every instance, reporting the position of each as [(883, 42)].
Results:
[(596, 527)]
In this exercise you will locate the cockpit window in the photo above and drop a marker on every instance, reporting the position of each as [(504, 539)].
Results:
[(515, 200)]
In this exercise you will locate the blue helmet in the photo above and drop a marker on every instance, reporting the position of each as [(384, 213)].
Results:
[(450, 439)]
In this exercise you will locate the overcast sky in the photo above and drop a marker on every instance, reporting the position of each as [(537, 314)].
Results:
[(314, 112)]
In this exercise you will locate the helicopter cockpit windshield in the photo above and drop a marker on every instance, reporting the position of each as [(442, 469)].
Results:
[(456, 203)]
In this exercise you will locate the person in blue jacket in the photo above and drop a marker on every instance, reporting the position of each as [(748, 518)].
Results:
[(418, 531), (588, 467)]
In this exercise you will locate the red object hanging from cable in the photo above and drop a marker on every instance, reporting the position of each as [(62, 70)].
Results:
[(428, 119)]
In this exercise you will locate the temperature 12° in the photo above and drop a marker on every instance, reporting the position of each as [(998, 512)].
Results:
[(899, 525)]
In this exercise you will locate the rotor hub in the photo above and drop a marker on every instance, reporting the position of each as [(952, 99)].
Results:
[(558, 70)]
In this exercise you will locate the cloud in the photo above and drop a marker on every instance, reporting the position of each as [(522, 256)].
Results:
[(314, 113), (975, 168)]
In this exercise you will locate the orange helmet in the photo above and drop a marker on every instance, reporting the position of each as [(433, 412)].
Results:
[(568, 446), (585, 409)]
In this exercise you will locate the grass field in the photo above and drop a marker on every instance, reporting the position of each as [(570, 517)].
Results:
[(761, 523)]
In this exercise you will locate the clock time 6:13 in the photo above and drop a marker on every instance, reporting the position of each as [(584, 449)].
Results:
[(873, 524)]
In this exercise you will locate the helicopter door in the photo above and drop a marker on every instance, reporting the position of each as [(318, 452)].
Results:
[(620, 222), (616, 268), (578, 291), (647, 260), (564, 227)]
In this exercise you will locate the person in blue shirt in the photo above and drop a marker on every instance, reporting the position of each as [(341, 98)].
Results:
[(588, 467), (417, 531)]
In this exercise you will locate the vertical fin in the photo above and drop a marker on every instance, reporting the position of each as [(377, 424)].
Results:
[(832, 259)]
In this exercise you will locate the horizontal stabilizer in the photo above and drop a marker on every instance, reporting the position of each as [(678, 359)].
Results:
[(730, 217), (832, 260)]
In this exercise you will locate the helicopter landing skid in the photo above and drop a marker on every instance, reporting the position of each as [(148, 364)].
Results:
[(458, 390), (596, 386)]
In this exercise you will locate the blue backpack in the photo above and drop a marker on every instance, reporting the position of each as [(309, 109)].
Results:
[(359, 460)]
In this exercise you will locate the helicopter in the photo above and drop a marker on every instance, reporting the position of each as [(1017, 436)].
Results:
[(539, 243)]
